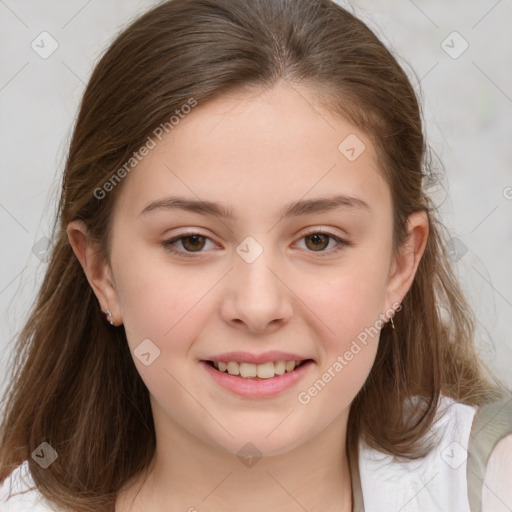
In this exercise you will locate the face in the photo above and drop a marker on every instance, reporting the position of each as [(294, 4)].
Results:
[(291, 259)]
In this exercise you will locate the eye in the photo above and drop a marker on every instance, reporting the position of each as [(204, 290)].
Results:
[(190, 243), (318, 241)]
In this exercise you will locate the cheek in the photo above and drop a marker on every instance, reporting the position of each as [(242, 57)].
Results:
[(347, 318), (168, 306), (347, 311), (347, 301), (159, 301)]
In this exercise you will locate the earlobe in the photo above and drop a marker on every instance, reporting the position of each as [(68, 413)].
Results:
[(406, 262), (96, 269)]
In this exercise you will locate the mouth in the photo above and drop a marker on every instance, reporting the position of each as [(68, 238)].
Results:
[(261, 371), (268, 377)]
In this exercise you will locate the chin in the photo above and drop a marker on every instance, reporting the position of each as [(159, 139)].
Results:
[(257, 442)]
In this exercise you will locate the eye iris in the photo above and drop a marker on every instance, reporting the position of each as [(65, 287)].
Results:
[(194, 239), (320, 241)]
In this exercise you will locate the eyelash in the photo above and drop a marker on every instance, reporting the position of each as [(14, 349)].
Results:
[(168, 244)]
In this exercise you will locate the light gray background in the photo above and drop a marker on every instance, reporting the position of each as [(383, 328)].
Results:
[(467, 104)]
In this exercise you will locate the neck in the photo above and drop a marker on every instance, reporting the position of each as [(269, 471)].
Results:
[(191, 475)]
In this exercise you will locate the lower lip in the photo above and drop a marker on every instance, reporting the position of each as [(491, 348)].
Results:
[(256, 388)]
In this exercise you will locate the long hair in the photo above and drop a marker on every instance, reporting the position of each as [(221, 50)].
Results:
[(74, 384)]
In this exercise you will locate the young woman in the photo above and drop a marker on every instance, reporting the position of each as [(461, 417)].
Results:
[(242, 310)]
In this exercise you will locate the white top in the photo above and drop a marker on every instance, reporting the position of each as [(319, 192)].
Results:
[(436, 482), (32, 501)]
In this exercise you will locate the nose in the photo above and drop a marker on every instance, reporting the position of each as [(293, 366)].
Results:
[(257, 299)]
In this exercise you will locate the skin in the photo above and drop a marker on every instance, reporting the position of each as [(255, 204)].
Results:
[(253, 153)]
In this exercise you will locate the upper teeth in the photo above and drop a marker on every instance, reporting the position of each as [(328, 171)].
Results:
[(263, 370)]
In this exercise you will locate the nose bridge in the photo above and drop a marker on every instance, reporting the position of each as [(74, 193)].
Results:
[(252, 269), (258, 297)]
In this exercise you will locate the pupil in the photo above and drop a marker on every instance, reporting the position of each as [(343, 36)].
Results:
[(318, 238), (194, 239)]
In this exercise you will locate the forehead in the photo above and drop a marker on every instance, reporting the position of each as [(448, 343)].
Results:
[(257, 151)]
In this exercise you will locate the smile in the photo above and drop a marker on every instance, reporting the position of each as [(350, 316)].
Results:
[(261, 380), (266, 370)]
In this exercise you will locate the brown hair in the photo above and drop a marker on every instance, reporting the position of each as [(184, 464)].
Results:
[(74, 383)]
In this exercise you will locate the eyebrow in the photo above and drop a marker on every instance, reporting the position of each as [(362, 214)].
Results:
[(294, 209)]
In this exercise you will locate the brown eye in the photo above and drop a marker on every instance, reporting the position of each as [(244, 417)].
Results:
[(193, 243), (317, 241), (323, 243), (188, 244)]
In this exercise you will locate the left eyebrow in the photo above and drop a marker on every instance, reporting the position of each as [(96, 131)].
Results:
[(309, 206), (294, 209)]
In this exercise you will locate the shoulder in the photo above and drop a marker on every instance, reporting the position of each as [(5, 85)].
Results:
[(436, 481), (19, 494), (497, 488), (490, 456), (469, 467)]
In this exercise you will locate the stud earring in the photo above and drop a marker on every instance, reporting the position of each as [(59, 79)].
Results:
[(110, 318)]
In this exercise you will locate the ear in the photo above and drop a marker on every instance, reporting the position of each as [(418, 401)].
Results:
[(96, 269), (405, 263)]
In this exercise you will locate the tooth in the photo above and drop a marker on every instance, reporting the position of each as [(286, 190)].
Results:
[(247, 370), (279, 367), (265, 370), (290, 366), (233, 368)]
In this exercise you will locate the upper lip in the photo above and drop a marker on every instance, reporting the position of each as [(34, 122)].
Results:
[(248, 357)]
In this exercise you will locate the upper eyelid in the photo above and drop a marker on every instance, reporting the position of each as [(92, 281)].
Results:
[(310, 231)]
